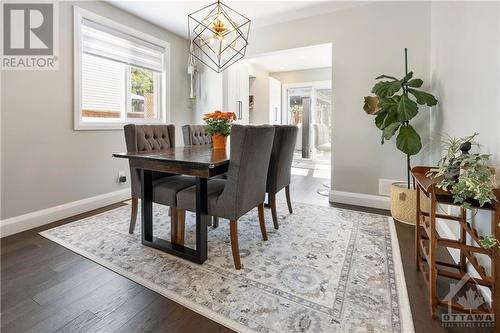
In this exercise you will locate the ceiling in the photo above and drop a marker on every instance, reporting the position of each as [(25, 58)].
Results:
[(172, 15), (316, 56)]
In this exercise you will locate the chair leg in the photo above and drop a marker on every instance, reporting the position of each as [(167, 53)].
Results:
[(262, 221), (181, 226), (133, 215), (272, 197), (234, 244), (288, 201), (215, 222)]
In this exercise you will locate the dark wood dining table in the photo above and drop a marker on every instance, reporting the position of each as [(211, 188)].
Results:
[(199, 161)]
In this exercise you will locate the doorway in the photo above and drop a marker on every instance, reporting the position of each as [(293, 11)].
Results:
[(308, 105), (294, 87)]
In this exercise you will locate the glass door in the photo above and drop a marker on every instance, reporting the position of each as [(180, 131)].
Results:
[(298, 111), (309, 108)]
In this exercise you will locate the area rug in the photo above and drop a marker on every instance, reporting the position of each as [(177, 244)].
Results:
[(324, 270)]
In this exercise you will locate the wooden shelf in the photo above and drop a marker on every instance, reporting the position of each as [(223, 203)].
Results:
[(427, 241)]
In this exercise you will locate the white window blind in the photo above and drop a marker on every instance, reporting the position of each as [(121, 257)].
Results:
[(105, 42), (103, 84), (121, 74)]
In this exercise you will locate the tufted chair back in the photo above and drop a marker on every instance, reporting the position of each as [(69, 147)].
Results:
[(280, 166), (147, 138), (194, 135), (246, 181)]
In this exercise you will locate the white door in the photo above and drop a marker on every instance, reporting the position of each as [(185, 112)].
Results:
[(274, 101), (244, 93), (236, 91)]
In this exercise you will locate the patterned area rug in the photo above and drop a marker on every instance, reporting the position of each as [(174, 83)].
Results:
[(324, 270)]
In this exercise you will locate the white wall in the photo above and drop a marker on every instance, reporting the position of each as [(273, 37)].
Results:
[(260, 90), (465, 71), (44, 161), (367, 41), (209, 95), (305, 75)]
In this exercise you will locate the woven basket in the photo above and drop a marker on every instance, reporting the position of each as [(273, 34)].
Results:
[(404, 201)]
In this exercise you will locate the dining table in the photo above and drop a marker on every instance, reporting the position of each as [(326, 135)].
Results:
[(201, 162)]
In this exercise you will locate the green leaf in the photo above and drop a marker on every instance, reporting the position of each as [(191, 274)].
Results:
[(390, 130), (416, 83), (408, 140), (379, 119), (392, 117), (407, 109), (422, 97), (407, 77), (385, 89), (389, 103), (388, 112), (386, 77)]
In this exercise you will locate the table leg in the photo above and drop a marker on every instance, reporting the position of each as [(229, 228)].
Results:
[(176, 246), (201, 219), (147, 205)]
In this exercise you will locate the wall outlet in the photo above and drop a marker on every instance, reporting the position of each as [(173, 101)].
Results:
[(122, 176)]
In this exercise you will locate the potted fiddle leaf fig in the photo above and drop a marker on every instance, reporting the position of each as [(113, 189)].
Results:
[(395, 104)]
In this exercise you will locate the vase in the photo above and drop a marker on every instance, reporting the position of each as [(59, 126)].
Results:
[(219, 141)]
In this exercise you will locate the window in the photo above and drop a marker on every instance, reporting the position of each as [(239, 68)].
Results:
[(120, 74)]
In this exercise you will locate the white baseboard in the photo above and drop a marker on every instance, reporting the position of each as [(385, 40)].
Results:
[(32, 220), (360, 199)]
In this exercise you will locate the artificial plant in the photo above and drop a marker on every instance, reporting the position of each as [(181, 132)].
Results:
[(398, 103)]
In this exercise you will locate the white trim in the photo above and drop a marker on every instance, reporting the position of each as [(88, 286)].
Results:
[(78, 14), (360, 199), (38, 218), (404, 300)]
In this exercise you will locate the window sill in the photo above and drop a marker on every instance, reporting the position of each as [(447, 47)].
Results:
[(88, 126)]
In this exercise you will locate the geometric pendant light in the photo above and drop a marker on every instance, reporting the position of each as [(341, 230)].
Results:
[(219, 35)]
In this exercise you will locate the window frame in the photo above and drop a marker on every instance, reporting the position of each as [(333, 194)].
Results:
[(163, 82)]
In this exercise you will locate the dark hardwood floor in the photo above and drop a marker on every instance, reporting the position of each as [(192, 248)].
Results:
[(47, 288)]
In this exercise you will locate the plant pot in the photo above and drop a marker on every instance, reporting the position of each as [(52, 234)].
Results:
[(219, 141), (404, 203)]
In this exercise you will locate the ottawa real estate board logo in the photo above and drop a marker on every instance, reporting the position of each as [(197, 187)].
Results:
[(29, 36)]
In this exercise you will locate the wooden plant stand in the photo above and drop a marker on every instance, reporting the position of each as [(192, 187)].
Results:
[(427, 241)]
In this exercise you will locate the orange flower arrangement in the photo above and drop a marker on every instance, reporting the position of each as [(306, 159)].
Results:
[(219, 115), (219, 127), (218, 122)]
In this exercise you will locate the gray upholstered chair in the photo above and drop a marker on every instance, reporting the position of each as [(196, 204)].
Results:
[(245, 186), (194, 135), (165, 186), (279, 174)]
